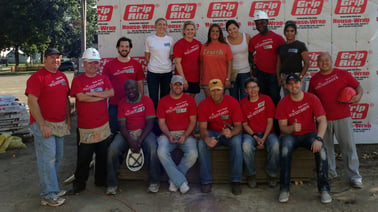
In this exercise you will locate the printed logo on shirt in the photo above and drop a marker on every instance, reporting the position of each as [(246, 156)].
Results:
[(192, 49), (130, 71), (300, 109), (213, 52), (307, 7), (180, 107), (181, 110), (327, 81), (220, 113), (222, 9), (350, 6), (125, 70), (181, 11), (96, 89), (293, 51), (268, 47), (139, 12), (134, 110), (272, 8), (225, 117), (58, 81), (261, 104), (167, 44), (351, 58), (94, 86), (104, 13)]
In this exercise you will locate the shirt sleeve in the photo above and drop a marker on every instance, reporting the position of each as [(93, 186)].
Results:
[(237, 115), (108, 84), (147, 45), (33, 86), (229, 52), (270, 107), (177, 50), (160, 112), (150, 108), (251, 47), (317, 106), (121, 112), (76, 87), (192, 106), (280, 111), (202, 112), (139, 71)]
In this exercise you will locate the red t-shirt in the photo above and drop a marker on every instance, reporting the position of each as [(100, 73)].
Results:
[(118, 73), (303, 112), (257, 113), (189, 53), (214, 59), (266, 51), (176, 112), (52, 90), (327, 88), (216, 114), (136, 113), (91, 114)]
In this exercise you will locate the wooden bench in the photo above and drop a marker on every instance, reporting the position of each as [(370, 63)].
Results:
[(303, 166)]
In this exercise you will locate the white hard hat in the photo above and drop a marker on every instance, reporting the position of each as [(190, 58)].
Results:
[(91, 54), (134, 161), (260, 15)]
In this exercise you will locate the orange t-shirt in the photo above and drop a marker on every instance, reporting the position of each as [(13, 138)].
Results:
[(214, 59)]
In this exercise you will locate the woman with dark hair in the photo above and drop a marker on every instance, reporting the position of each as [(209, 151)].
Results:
[(158, 52), (292, 56), (215, 59), (258, 111), (240, 66), (186, 52)]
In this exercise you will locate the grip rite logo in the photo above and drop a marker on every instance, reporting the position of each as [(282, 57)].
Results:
[(313, 56), (272, 8), (307, 7), (359, 111), (351, 58), (139, 12), (350, 6), (222, 10), (104, 13), (181, 11)]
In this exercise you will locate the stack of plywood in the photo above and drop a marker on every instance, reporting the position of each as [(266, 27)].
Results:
[(14, 117)]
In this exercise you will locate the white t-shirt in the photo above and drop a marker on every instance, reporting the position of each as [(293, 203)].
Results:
[(240, 53), (160, 49)]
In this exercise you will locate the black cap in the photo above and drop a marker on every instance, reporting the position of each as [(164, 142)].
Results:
[(292, 77), (290, 24), (51, 51)]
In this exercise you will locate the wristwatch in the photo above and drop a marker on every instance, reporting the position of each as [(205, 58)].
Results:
[(227, 79), (319, 138)]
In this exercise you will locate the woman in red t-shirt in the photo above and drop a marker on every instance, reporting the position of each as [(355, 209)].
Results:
[(215, 59), (186, 52)]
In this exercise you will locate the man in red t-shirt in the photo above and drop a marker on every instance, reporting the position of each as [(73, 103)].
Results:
[(220, 122), (136, 114), (258, 111), (296, 114), (327, 84), (91, 91), (47, 91), (177, 114), (118, 71), (265, 45)]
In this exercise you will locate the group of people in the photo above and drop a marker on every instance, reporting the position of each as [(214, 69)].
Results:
[(115, 116)]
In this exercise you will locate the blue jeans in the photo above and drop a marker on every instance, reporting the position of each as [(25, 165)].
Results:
[(272, 147), (177, 173), (269, 85), (288, 144), (113, 118), (119, 146), (236, 158), (49, 153), (237, 89), (156, 81)]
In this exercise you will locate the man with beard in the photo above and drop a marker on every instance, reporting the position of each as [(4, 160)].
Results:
[(264, 46), (118, 71), (297, 113)]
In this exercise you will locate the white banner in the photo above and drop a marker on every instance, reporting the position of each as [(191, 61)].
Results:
[(345, 28)]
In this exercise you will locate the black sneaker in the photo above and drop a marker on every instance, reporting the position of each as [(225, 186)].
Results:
[(235, 188), (75, 191), (206, 188)]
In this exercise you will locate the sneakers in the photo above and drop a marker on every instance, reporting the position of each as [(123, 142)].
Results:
[(272, 182), (53, 201), (325, 197), (61, 193), (172, 187), (184, 187), (251, 181), (284, 197), (154, 187), (356, 184), (75, 191), (235, 188), (112, 190), (206, 188)]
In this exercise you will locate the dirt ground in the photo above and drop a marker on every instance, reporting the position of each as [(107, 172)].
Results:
[(19, 187)]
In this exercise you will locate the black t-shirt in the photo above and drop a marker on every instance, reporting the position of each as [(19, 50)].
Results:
[(290, 55)]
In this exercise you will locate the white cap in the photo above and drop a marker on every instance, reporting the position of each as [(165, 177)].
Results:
[(91, 54), (260, 15)]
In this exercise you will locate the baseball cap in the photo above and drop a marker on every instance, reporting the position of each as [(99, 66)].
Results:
[(51, 51), (292, 77), (215, 84), (177, 78)]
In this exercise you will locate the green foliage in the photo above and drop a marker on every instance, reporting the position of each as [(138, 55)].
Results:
[(34, 25)]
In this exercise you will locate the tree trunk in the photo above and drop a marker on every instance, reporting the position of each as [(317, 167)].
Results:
[(42, 55), (16, 55)]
